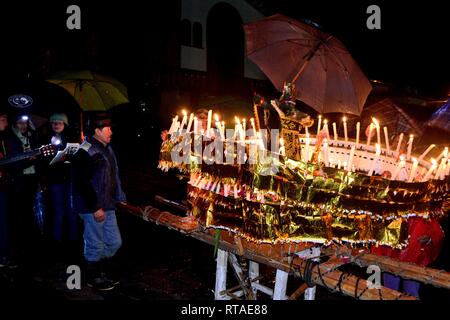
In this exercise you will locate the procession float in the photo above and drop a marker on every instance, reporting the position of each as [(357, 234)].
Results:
[(304, 195)]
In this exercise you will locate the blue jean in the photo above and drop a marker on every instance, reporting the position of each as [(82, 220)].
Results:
[(4, 246), (101, 239), (410, 287), (60, 201)]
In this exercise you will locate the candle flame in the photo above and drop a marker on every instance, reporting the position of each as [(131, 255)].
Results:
[(344, 119), (216, 117), (433, 162), (375, 121), (236, 119), (325, 121), (411, 136), (184, 112), (252, 120), (402, 157), (415, 160), (320, 117)]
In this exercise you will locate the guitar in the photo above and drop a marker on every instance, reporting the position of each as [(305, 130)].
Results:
[(46, 150)]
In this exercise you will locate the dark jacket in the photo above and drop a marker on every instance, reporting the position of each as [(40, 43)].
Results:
[(5, 151), (16, 147), (97, 181)]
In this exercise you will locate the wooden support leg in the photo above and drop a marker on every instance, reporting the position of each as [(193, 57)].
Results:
[(241, 277), (280, 285), (310, 293), (221, 275), (253, 273), (311, 253)]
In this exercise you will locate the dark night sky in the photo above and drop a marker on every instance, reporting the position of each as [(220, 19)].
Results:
[(410, 48)]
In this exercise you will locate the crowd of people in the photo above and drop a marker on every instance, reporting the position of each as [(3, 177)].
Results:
[(80, 191)]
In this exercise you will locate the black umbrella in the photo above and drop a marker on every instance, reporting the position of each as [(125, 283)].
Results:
[(39, 99)]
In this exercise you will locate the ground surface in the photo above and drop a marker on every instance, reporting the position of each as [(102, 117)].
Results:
[(155, 263)]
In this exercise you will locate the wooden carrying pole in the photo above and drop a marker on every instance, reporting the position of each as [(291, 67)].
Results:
[(437, 278), (324, 274)]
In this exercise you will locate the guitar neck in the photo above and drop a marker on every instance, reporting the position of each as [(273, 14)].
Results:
[(19, 157)]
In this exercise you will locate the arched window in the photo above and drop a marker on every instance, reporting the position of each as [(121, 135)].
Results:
[(185, 32), (197, 35)]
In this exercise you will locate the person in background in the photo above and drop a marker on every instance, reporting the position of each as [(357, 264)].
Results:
[(24, 183), (5, 140), (425, 240), (98, 190), (59, 183)]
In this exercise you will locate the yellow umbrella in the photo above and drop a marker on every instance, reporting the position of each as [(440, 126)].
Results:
[(93, 92)]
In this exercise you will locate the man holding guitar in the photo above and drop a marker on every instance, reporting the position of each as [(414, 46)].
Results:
[(23, 187), (13, 159), (4, 218)]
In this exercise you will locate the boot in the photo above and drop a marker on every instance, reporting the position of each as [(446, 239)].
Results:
[(110, 269), (96, 278)]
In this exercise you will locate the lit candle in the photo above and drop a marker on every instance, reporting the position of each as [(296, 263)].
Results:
[(410, 142), (400, 139), (369, 137), (282, 149), (184, 121), (386, 137), (191, 119), (176, 127), (377, 126), (241, 132), (426, 152), (350, 158), (344, 119), (216, 118), (447, 168), (440, 169), (244, 126), (412, 175), (252, 122), (318, 124), (444, 153), (326, 155), (335, 131), (430, 171), (306, 131), (172, 127), (307, 147), (218, 188), (237, 133), (219, 127), (401, 164), (377, 156), (208, 124), (325, 126), (358, 127), (339, 164), (195, 125)]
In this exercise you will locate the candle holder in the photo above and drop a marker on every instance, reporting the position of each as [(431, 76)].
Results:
[(283, 195)]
